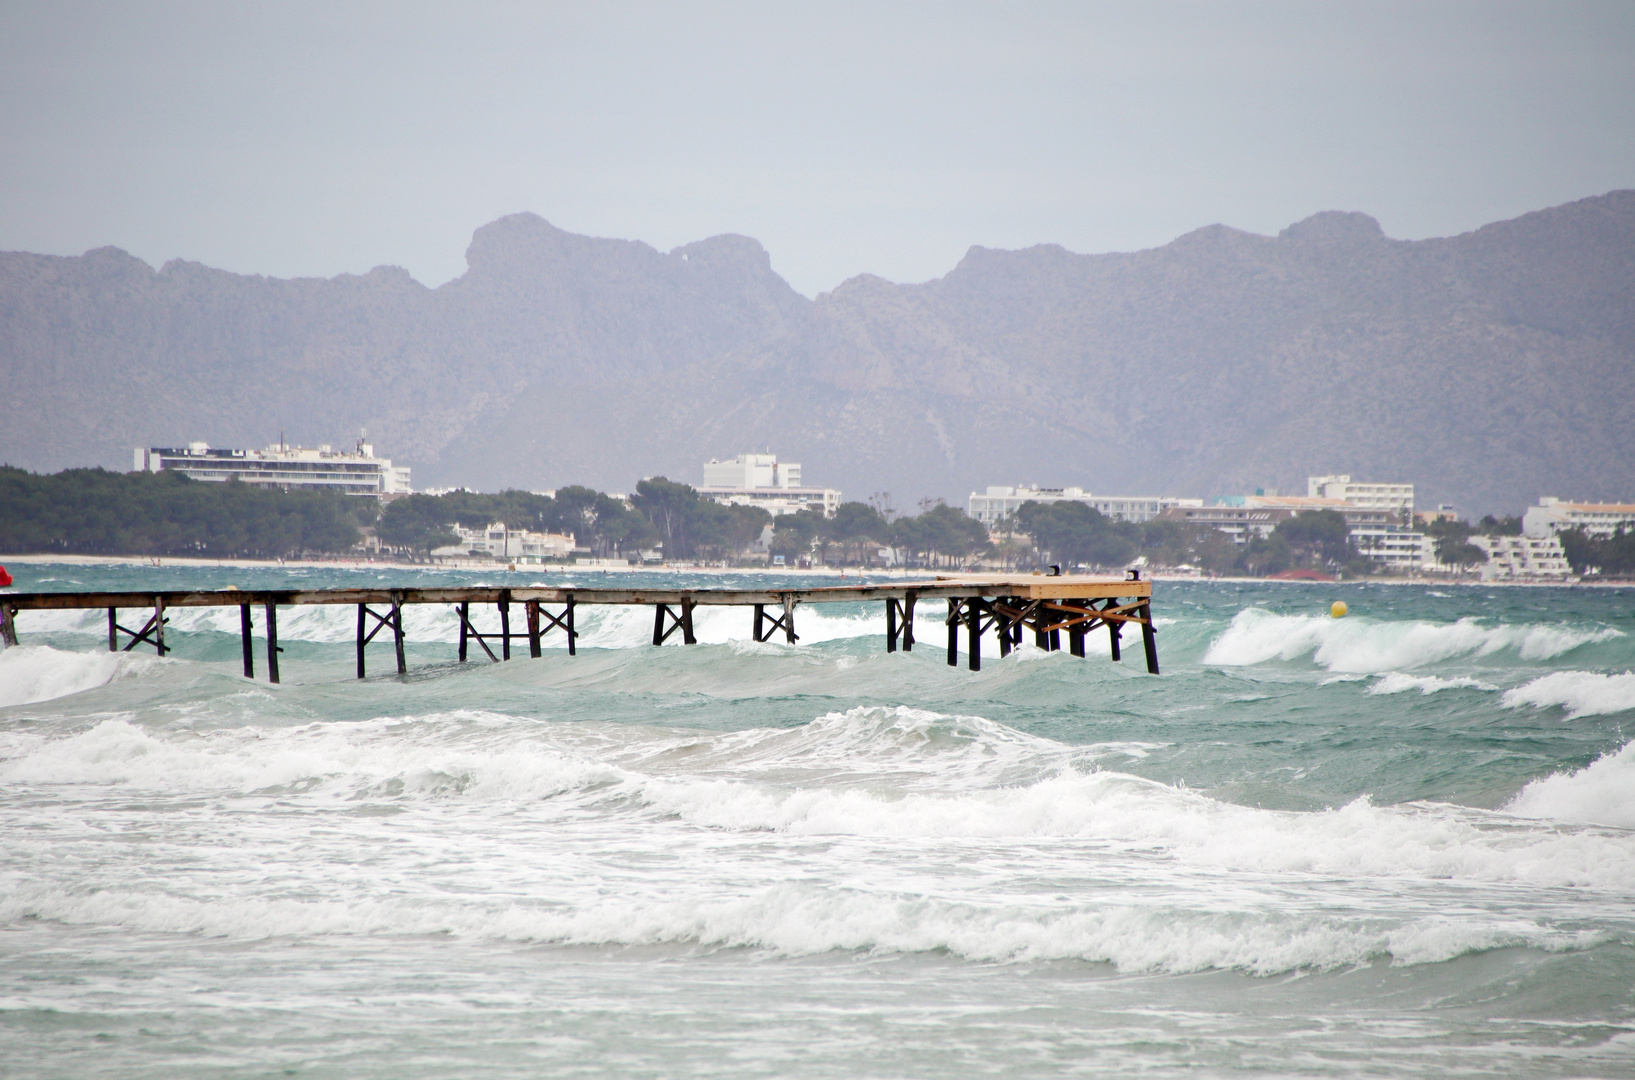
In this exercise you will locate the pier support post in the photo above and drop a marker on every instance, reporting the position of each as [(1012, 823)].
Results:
[(891, 625), (973, 632), (397, 632), (1149, 639), (272, 641), (113, 629), (8, 624), (900, 622), (1115, 630), (505, 624), (363, 640), (244, 635), (756, 626), (159, 625), (683, 622), (1075, 633), (532, 608), (465, 627), (953, 632), (788, 621)]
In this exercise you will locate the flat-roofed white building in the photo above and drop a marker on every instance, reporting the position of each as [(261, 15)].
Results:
[(1397, 498), (500, 541), (1523, 558), (762, 480), (1599, 520), (353, 472), (999, 503)]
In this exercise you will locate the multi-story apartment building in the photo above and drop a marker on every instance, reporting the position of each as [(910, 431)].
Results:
[(999, 503), (354, 472), (1523, 558), (1599, 520)]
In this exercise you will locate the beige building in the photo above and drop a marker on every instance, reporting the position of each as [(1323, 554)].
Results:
[(1396, 498)]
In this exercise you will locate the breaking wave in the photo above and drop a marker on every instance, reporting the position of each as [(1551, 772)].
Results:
[(1358, 645)]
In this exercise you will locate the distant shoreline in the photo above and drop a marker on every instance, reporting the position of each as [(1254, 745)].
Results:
[(163, 562)]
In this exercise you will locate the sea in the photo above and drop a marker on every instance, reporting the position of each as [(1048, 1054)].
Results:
[(1399, 843)]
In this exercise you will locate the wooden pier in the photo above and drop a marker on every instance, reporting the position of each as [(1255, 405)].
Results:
[(1007, 605)]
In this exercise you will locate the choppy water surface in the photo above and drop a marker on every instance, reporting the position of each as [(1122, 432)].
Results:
[(1401, 843)]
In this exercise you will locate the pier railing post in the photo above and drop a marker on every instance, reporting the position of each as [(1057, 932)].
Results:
[(272, 641), (244, 635)]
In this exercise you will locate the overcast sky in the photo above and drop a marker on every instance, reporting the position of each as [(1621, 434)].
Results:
[(318, 138)]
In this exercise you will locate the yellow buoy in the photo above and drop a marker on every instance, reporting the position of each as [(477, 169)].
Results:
[(1338, 608)]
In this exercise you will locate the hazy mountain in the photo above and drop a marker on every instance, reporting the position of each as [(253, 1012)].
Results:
[(1489, 368)]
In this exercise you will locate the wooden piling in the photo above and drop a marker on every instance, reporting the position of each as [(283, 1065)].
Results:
[(272, 641), (954, 607), (1149, 639), (113, 629), (397, 634), (8, 623), (973, 632), (465, 624), (244, 639), (505, 624)]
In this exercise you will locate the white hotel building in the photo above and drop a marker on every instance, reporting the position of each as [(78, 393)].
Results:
[(353, 472), (761, 480), (1600, 520), (999, 503)]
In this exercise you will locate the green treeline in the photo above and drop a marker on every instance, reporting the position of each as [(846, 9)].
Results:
[(1611, 557), (1073, 534), (97, 512)]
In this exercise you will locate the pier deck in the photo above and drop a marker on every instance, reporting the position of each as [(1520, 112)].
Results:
[(976, 603)]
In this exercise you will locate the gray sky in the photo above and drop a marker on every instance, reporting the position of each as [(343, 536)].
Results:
[(299, 138)]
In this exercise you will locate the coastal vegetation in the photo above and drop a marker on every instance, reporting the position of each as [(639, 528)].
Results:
[(97, 512)]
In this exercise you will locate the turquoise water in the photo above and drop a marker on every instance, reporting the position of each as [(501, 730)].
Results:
[(1400, 843)]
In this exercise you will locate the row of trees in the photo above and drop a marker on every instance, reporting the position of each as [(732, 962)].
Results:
[(1613, 556), (97, 512)]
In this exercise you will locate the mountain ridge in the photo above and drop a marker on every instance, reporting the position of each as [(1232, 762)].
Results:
[(1489, 367)]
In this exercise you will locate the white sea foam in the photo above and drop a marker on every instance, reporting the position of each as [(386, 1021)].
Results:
[(30, 673), (798, 919), (1396, 682), (1601, 793), (1357, 644), (865, 773), (1581, 693)]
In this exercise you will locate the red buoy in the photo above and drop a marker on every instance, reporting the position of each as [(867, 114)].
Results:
[(5, 578)]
